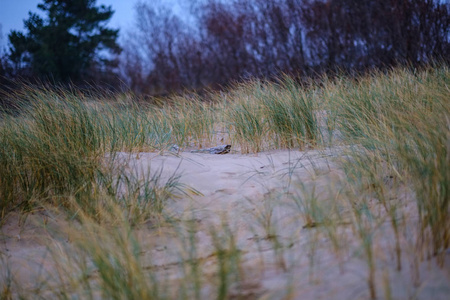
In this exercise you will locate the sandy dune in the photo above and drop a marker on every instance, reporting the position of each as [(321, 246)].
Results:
[(260, 198)]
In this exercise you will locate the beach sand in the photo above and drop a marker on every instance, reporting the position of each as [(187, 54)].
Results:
[(258, 201)]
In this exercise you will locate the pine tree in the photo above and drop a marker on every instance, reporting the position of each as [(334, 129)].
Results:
[(69, 43)]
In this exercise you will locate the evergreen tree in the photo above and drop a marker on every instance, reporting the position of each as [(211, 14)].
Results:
[(69, 43)]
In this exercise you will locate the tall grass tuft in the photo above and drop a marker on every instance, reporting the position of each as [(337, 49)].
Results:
[(52, 149), (402, 118), (61, 147), (267, 115), (303, 106)]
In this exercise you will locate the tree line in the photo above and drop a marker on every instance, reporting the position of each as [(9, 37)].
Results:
[(224, 41)]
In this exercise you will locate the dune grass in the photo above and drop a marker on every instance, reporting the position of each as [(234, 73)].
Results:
[(268, 115), (402, 121), (60, 149)]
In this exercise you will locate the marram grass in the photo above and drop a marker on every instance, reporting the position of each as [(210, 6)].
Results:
[(60, 149)]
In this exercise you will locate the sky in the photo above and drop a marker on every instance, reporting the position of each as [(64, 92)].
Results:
[(13, 12)]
